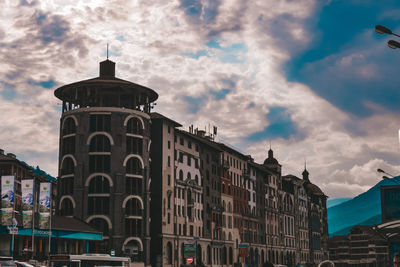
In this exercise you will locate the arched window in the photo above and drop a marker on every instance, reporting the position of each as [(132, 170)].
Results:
[(181, 175), (209, 256), (169, 253), (134, 126), (67, 166), (67, 208), (230, 255), (100, 143), (189, 176), (99, 185), (98, 204), (69, 126), (196, 178), (134, 166), (133, 207), (100, 225)]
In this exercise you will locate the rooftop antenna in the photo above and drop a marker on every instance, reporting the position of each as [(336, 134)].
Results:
[(107, 50), (269, 144)]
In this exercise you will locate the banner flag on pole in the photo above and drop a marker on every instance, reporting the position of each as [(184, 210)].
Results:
[(7, 199), (27, 202), (44, 205)]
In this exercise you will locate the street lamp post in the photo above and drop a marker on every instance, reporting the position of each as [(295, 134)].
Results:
[(383, 30)]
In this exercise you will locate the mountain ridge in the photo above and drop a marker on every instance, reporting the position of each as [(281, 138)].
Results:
[(366, 205)]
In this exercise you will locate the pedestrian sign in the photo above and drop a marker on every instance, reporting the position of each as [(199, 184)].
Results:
[(189, 260)]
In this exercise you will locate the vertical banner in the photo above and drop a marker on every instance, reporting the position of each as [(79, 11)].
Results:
[(27, 202), (7, 199), (44, 205)]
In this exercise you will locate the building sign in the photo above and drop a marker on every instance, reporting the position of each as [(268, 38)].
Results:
[(390, 203), (7, 199), (243, 250), (189, 260), (44, 205), (27, 202), (189, 249)]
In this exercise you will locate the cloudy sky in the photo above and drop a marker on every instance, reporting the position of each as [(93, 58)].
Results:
[(311, 76)]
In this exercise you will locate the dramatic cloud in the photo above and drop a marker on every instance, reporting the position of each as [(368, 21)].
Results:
[(320, 88)]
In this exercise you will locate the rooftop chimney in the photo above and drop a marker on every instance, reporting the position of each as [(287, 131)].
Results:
[(11, 155), (107, 68), (201, 133)]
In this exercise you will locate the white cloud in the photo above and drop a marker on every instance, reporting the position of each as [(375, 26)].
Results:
[(149, 41)]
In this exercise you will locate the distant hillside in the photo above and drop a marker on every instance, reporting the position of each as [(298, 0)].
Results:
[(371, 221), (362, 209), (336, 201)]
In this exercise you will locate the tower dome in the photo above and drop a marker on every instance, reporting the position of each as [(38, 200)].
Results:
[(270, 159)]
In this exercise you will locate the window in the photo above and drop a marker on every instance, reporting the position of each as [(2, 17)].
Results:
[(181, 175), (169, 144), (189, 144), (100, 123), (169, 129), (98, 205), (134, 126), (180, 157), (169, 253), (181, 141), (197, 148), (99, 143), (68, 145), (134, 145), (99, 163), (99, 185), (189, 160), (69, 126), (101, 225), (133, 186), (68, 166), (191, 230), (67, 208), (196, 163), (133, 207), (133, 227), (66, 186), (169, 179), (169, 161), (134, 166)]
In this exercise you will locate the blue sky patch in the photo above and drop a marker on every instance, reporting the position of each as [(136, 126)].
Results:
[(213, 44), (7, 91), (200, 53), (280, 126), (50, 83), (194, 103), (121, 38), (347, 63), (221, 94)]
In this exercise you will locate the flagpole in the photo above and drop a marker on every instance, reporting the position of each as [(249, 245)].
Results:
[(33, 217), (51, 207)]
